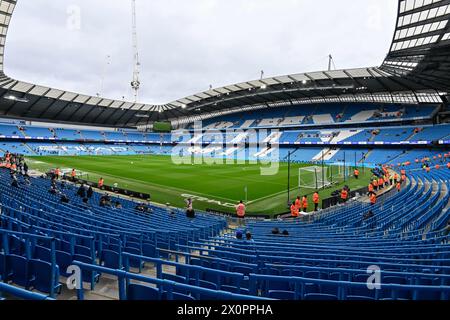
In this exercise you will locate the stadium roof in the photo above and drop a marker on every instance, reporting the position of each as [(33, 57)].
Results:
[(416, 69)]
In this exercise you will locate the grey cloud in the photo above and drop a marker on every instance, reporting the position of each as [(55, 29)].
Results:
[(186, 45)]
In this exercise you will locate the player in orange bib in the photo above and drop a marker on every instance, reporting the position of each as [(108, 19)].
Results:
[(57, 173), (344, 195), (356, 173), (240, 210), (316, 200), (298, 203), (373, 198), (305, 204), (294, 210)]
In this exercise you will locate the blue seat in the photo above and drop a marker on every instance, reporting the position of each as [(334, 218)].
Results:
[(234, 289), (63, 260), (134, 262), (82, 250), (277, 285), (43, 254), (173, 277), (2, 266), (141, 292), (329, 289), (41, 272), (134, 245), (319, 297), (85, 274), (17, 270), (428, 295), (110, 259), (16, 246), (204, 284), (178, 297), (281, 295), (360, 298), (241, 269), (148, 250)]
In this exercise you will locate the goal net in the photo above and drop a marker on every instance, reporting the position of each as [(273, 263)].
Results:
[(314, 177), (340, 172)]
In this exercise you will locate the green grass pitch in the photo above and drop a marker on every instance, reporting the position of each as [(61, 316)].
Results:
[(221, 185)]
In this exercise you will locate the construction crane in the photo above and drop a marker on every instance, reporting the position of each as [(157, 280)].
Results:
[(135, 84), (331, 62)]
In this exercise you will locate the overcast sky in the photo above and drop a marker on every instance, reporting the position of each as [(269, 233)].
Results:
[(187, 45)]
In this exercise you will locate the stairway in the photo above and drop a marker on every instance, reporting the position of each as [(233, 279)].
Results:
[(34, 153), (366, 156)]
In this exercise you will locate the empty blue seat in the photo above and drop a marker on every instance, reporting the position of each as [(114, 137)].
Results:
[(234, 289), (173, 277), (43, 254), (141, 292), (2, 266), (134, 262), (204, 284), (178, 297), (319, 297), (86, 275), (281, 295), (149, 250), (63, 260), (17, 270), (241, 269), (360, 298), (41, 272), (110, 259), (82, 250)]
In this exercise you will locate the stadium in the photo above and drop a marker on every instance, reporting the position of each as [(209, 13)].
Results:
[(328, 185)]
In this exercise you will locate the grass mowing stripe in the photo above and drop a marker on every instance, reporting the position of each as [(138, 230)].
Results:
[(166, 181)]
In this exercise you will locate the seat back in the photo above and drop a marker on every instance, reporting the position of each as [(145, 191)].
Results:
[(63, 260), (41, 272), (17, 270), (110, 259), (141, 292), (41, 253), (281, 295), (319, 297), (82, 250), (2, 266)]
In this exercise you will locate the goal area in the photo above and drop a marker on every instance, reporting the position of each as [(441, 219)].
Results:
[(313, 177), (321, 177)]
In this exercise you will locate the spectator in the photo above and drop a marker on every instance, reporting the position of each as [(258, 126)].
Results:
[(15, 183), (316, 200), (240, 210), (90, 192), (190, 213), (275, 231), (81, 191), (248, 237), (239, 235), (285, 233), (53, 189), (368, 215), (118, 205), (64, 199)]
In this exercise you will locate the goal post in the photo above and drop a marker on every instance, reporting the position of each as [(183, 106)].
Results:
[(313, 177)]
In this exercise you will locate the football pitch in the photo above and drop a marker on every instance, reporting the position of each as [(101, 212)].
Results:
[(217, 187)]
